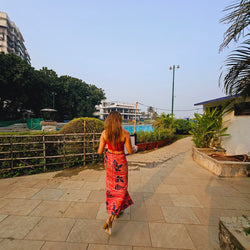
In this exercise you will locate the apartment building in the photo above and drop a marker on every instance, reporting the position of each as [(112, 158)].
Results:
[(11, 39), (127, 110)]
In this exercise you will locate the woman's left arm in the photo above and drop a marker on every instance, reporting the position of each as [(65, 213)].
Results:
[(102, 144)]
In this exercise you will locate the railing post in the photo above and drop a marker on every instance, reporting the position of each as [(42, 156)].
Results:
[(11, 151), (93, 153), (84, 144), (64, 150), (44, 154)]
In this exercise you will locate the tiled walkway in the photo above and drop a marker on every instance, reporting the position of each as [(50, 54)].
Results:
[(177, 205)]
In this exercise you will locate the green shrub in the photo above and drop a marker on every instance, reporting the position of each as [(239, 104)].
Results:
[(26, 133), (183, 127), (93, 125), (143, 136), (207, 128), (163, 134), (165, 122), (156, 135)]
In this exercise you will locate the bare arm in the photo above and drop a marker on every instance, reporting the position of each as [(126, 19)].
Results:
[(102, 144)]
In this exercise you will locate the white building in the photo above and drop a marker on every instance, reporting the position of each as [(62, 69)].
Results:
[(127, 110), (238, 122), (11, 39)]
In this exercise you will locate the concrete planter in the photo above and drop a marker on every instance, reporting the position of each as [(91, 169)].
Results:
[(48, 126), (232, 234), (220, 168)]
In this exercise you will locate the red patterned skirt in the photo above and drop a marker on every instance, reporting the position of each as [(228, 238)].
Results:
[(117, 196)]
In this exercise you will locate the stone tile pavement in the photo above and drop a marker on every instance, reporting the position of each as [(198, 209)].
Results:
[(177, 205)]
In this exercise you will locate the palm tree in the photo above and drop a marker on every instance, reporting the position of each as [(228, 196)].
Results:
[(151, 111), (237, 79), (154, 116), (237, 65)]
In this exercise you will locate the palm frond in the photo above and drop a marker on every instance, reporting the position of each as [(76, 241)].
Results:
[(237, 78), (239, 18)]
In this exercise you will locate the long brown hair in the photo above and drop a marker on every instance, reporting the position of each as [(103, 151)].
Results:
[(113, 127)]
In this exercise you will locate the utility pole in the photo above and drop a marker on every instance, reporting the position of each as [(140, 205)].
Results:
[(172, 107), (53, 100), (135, 116)]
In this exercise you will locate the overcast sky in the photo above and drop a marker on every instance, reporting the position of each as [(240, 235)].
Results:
[(127, 47)]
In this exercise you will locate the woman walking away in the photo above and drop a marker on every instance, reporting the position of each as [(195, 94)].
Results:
[(115, 162)]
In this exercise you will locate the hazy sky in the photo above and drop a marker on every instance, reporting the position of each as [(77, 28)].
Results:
[(127, 47)]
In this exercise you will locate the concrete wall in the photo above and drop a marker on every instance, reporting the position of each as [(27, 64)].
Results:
[(239, 129)]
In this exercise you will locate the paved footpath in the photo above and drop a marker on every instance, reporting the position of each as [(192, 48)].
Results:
[(177, 205)]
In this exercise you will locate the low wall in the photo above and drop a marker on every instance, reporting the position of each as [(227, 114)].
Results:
[(232, 233), (220, 168)]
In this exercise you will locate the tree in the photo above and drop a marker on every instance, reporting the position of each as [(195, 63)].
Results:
[(17, 81), (165, 122), (78, 99), (22, 87), (154, 115), (237, 79), (150, 111), (49, 82), (237, 65), (72, 99)]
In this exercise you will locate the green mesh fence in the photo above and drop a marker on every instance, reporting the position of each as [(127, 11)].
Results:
[(8, 123), (34, 123)]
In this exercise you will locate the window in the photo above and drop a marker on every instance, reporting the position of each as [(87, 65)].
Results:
[(1, 36), (242, 109)]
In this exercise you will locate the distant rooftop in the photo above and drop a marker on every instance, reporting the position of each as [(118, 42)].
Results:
[(216, 100)]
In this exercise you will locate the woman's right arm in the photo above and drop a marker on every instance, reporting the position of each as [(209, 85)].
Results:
[(102, 144)]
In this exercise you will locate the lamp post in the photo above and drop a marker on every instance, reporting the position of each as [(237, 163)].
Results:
[(53, 99), (172, 107)]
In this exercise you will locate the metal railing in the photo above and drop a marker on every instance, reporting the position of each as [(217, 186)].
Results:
[(43, 150)]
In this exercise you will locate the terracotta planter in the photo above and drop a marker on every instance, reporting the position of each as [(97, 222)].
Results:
[(142, 146), (152, 145), (162, 143)]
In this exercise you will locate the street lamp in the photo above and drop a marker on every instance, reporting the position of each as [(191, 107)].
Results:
[(53, 99), (172, 108)]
